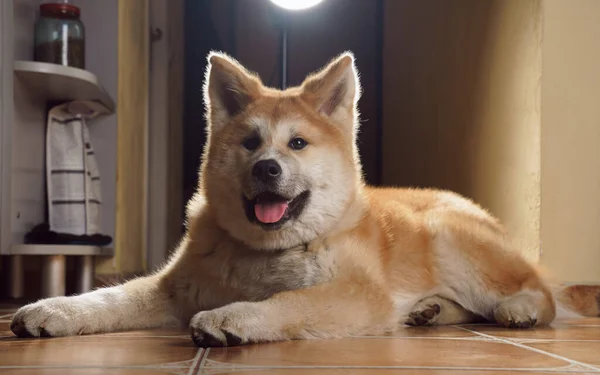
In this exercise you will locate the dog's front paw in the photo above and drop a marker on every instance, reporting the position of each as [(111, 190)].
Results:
[(515, 316), (51, 317), (232, 325)]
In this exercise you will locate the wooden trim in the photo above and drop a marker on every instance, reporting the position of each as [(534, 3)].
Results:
[(6, 122), (132, 135), (175, 204), (165, 213), (158, 134)]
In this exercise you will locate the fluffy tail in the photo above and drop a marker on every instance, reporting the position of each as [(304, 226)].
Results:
[(577, 300)]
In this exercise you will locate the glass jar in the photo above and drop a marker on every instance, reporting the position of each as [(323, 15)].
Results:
[(60, 35)]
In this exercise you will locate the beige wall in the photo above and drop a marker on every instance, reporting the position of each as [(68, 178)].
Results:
[(462, 104), (570, 216)]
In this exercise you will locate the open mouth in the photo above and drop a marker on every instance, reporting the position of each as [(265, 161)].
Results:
[(271, 211)]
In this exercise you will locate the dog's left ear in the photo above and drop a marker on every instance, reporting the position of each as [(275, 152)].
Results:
[(334, 91)]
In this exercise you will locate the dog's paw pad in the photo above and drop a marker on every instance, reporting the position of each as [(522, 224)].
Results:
[(518, 312), (207, 340), (18, 328), (45, 333), (522, 324), (421, 317), (233, 340)]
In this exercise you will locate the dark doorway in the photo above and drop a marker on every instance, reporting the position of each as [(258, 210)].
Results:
[(247, 31)]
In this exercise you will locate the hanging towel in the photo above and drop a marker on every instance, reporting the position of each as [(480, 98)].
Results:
[(72, 176)]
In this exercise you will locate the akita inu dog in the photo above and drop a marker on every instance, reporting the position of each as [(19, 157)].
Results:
[(284, 240)]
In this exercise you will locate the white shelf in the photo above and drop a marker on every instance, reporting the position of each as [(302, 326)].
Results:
[(62, 83), (60, 250)]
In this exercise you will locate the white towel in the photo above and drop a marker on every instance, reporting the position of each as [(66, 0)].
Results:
[(72, 176)]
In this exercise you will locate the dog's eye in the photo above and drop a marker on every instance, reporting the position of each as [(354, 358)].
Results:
[(298, 143), (251, 143)]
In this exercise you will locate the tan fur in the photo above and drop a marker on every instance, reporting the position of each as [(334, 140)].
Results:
[(357, 260)]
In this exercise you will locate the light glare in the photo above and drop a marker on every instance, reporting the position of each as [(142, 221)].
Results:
[(296, 4)]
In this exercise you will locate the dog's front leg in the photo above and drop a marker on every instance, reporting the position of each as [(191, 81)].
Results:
[(140, 303), (346, 306)]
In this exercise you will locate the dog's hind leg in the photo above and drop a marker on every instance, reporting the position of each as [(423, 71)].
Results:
[(481, 272), (437, 310)]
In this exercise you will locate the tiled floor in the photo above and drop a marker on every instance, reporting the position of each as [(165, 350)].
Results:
[(566, 347)]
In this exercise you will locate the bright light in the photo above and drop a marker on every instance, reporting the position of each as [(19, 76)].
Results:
[(296, 4)]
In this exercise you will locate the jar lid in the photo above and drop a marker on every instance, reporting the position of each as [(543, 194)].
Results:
[(60, 8)]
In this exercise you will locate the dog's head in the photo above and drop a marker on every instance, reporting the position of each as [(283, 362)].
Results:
[(280, 167)]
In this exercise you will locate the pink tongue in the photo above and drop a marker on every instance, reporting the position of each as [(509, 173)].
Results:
[(269, 213)]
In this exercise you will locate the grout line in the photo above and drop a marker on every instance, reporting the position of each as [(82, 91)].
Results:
[(198, 359), (243, 367), (199, 365), (465, 338), (541, 341), (522, 346), (204, 358), (109, 336), (575, 325), (203, 361)]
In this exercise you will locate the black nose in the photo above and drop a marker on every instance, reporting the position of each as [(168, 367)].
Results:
[(266, 170)]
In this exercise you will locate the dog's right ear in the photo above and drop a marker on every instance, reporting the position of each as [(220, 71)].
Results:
[(228, 89)]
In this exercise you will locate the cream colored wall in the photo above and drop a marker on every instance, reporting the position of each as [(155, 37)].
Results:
[(462, 104), (570, 215)]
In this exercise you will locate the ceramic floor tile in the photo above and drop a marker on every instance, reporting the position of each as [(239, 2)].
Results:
[(582, 351), (182, 334), (556, 332), (384, 352), (167, 333), (431, 332), (578, 321), (86, 371), (385, 372), (95, 350), (5, 329), (416, 351)]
